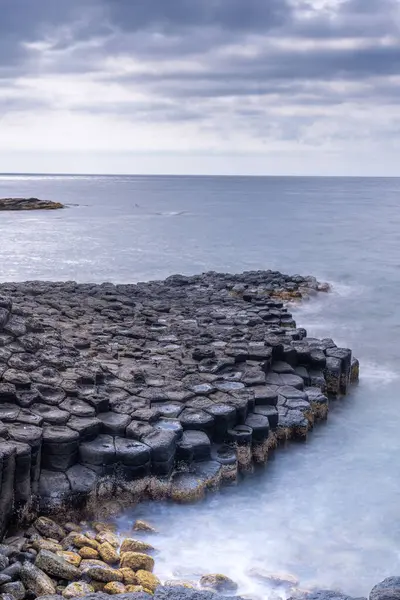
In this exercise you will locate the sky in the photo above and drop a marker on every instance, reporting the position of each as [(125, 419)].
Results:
[(256, 87)]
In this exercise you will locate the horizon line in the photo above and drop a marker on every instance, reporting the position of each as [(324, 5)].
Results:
[(60, 174)]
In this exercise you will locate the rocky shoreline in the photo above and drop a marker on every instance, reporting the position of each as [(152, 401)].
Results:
[(114, 393), (91, 560), (28, 204)]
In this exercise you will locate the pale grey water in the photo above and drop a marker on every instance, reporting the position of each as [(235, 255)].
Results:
[(329, 510)]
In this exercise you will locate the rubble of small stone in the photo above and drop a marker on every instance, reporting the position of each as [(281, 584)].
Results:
[(72, 560), (159, 389), (28, 204)]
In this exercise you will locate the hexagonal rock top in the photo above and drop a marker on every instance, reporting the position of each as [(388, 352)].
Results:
[(131, 380)]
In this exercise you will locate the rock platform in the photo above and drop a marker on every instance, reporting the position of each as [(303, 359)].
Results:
[(169, 387), (28, 204)]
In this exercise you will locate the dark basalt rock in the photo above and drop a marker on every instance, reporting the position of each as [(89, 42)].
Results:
[(132, 453), (114, 423), (191, 418), (194, 445), (81, 479), (259, 425), (388, 589), (129, 380), (181, 593), (162, 444), (99, 452)]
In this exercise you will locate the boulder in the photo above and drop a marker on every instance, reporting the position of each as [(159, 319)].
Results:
[(114, 587), (16, 589), (147, 580), (104, 574), (56, 566), (219, 583), (108, 553), (137, 561), (129, 576), (131, 545), (36, 581), (71, 557), (77, 590), (323, 595), (186, 593), (140, 525)]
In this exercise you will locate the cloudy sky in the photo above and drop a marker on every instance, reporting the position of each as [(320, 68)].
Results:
[(200, 86)]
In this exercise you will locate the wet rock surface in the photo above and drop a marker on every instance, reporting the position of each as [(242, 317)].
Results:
[(119, 383)]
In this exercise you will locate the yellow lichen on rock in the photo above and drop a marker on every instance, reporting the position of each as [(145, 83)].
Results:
[(134, 589), (80, 541), (147, 580), (105, 574), (143, 526), (77, 589), (71, 557), (108, 553), (128, 575), (131, 545), (178, 583), (137, 561), (115, 587), (91, 562), (108, 537), (90, 553)]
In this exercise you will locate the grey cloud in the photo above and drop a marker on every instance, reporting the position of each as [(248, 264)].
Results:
[(350, 19), (174, 14), (161, 31), (31, 20), (145, 112)]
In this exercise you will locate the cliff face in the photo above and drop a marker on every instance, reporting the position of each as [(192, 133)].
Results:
[(28, 204), (128, 381)]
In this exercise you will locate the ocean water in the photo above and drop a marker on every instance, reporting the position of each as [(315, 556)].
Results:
[(327, 511)]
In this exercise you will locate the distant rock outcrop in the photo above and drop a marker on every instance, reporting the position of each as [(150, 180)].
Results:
[(28, 204)]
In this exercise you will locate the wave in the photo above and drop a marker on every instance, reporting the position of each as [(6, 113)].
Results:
[(346, 290), (173, 213)]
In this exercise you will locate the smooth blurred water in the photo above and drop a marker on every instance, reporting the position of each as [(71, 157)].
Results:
[(329, 510)]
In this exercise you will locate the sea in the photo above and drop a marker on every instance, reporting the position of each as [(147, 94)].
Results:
[(326, 511)]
